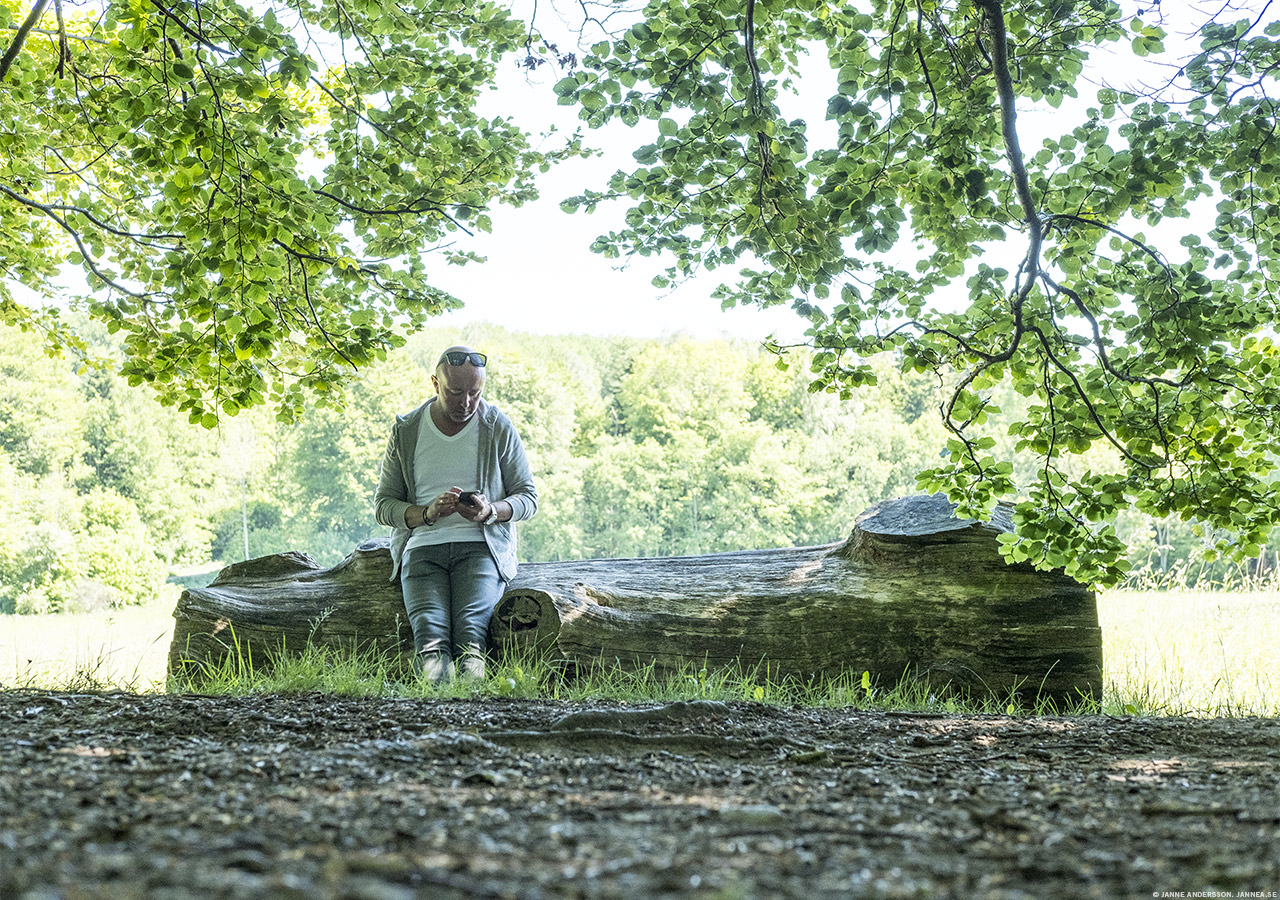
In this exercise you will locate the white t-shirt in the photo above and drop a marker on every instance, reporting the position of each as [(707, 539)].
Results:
[(439, 463)]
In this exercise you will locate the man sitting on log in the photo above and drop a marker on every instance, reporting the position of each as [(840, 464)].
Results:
[(454, 550)]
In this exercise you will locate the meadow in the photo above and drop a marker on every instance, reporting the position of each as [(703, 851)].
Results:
[(1175, 652), (1208, 653)]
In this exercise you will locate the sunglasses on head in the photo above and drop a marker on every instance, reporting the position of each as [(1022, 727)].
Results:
[(458, 358)]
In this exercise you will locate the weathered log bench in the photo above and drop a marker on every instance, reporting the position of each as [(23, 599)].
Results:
[(913, 592)]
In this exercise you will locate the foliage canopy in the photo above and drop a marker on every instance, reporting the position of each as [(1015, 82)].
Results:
[(252, 191), (1122, 275)]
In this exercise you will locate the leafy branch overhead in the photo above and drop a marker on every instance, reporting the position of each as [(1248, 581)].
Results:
[(253, 192), (1121, 273)]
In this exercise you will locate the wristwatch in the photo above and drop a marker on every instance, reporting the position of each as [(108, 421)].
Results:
[(493, 514)]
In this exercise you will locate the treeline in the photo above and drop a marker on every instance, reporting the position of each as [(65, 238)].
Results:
[(639, 447)]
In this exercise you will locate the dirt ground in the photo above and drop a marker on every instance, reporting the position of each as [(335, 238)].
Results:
[(177, 797)]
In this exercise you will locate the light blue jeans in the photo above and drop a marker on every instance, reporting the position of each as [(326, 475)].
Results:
[(450, 591)]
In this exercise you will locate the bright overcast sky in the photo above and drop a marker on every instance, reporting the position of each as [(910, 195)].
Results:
[(541, 276)]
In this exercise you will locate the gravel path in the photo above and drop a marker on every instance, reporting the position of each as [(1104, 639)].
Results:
[(183, 797)]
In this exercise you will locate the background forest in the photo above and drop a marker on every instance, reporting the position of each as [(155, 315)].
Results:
[(640, 447)]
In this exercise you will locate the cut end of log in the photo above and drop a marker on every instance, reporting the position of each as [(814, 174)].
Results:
[(925, 527), (925, 514), (526, 621)]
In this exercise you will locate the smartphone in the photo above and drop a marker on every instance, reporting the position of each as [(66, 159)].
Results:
[(468, 498)]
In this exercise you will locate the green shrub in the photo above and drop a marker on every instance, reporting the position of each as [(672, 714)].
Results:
[(114, 553)]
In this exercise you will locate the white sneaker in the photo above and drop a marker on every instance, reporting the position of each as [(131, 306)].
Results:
[(471, 666), (435, 666)]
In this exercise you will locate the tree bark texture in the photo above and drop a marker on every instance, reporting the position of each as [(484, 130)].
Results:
[(914, 591), (254, 611)]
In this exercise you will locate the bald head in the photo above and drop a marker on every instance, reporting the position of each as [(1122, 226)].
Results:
[(460, 355), (458, 383)]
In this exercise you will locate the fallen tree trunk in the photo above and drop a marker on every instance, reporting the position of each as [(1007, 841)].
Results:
[(914, 591), (256, 611)]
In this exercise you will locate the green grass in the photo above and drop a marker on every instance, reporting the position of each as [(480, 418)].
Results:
[(326, 671), (1166, 652)]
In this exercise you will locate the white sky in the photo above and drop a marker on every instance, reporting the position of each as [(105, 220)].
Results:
[(541, 276)]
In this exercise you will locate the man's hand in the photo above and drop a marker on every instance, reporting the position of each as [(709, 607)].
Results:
[(473, 506), (445, 504)]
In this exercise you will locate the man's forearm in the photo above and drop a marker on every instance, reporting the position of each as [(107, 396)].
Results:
[(504, 510), (416, 517)]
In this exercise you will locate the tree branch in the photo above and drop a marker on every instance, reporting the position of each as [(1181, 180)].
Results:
[(1100, 345), (143, 240), (427, 207), (89, 261), (196, 35), (6, 61), (53, 32), (1009, 113), (1085, 220), (64, 46), (1013, 150), (1089, 405), (757, 86), (924, 65)]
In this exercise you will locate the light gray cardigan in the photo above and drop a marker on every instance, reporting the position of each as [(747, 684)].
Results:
[(503, 474)]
